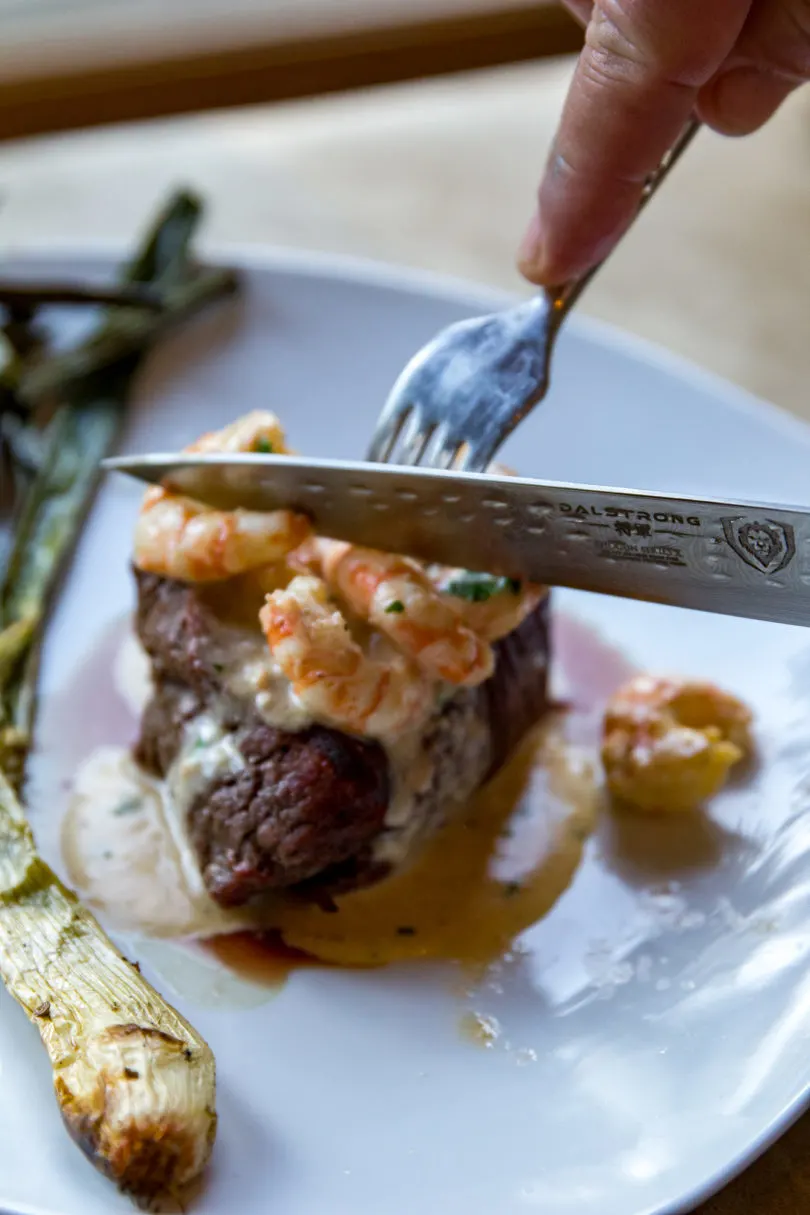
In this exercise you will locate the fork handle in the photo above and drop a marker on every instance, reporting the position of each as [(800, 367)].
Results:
[(563, 298)]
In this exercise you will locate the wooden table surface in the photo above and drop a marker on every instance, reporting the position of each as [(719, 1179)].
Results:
[(67, 64), (441, 175)]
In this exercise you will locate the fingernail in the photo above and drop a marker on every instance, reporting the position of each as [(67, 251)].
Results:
[(531, 254), (742, 99)]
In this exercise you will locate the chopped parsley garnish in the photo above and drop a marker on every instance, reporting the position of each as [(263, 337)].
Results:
[(396, 605), (263, 446), (478, 588), (130, 805), (405, 930), (512, 888)]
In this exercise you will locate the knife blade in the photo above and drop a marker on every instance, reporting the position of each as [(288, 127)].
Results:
[(737, 558)]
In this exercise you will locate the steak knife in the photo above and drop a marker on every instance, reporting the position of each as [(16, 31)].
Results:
[(737, 558)]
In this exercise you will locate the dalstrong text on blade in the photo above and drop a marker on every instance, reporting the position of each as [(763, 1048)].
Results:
[(623, 512)]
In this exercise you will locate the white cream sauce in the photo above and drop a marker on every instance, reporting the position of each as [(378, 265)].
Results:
[(208, 754), (248, 671), (132, 675), (123, 851), (412, 772)]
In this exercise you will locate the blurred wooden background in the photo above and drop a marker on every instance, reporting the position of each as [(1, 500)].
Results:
[(79, 63)]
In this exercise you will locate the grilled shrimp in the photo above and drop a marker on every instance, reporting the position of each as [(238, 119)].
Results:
[(396, 596), (178, 538), (669, 745), (331, 676)]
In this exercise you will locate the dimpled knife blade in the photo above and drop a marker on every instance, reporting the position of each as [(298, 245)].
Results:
[(736, 558)]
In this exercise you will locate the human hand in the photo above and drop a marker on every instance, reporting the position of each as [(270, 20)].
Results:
[(647, 65)]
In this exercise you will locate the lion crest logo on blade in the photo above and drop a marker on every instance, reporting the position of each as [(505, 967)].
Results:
[(765, 545)]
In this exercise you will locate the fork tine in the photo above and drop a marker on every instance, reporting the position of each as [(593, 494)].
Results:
[(386, 435), (443, 449), (478, 456), (414, 437)]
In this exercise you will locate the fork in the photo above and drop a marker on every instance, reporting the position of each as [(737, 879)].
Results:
[(463, 394)]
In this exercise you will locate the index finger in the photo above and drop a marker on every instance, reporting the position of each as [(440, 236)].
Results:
[(634, 87)]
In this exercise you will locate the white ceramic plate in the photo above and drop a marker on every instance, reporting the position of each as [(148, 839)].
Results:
[(655, 1026)]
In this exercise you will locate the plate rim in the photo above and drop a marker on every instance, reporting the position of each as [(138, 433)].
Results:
[(261, 257)]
